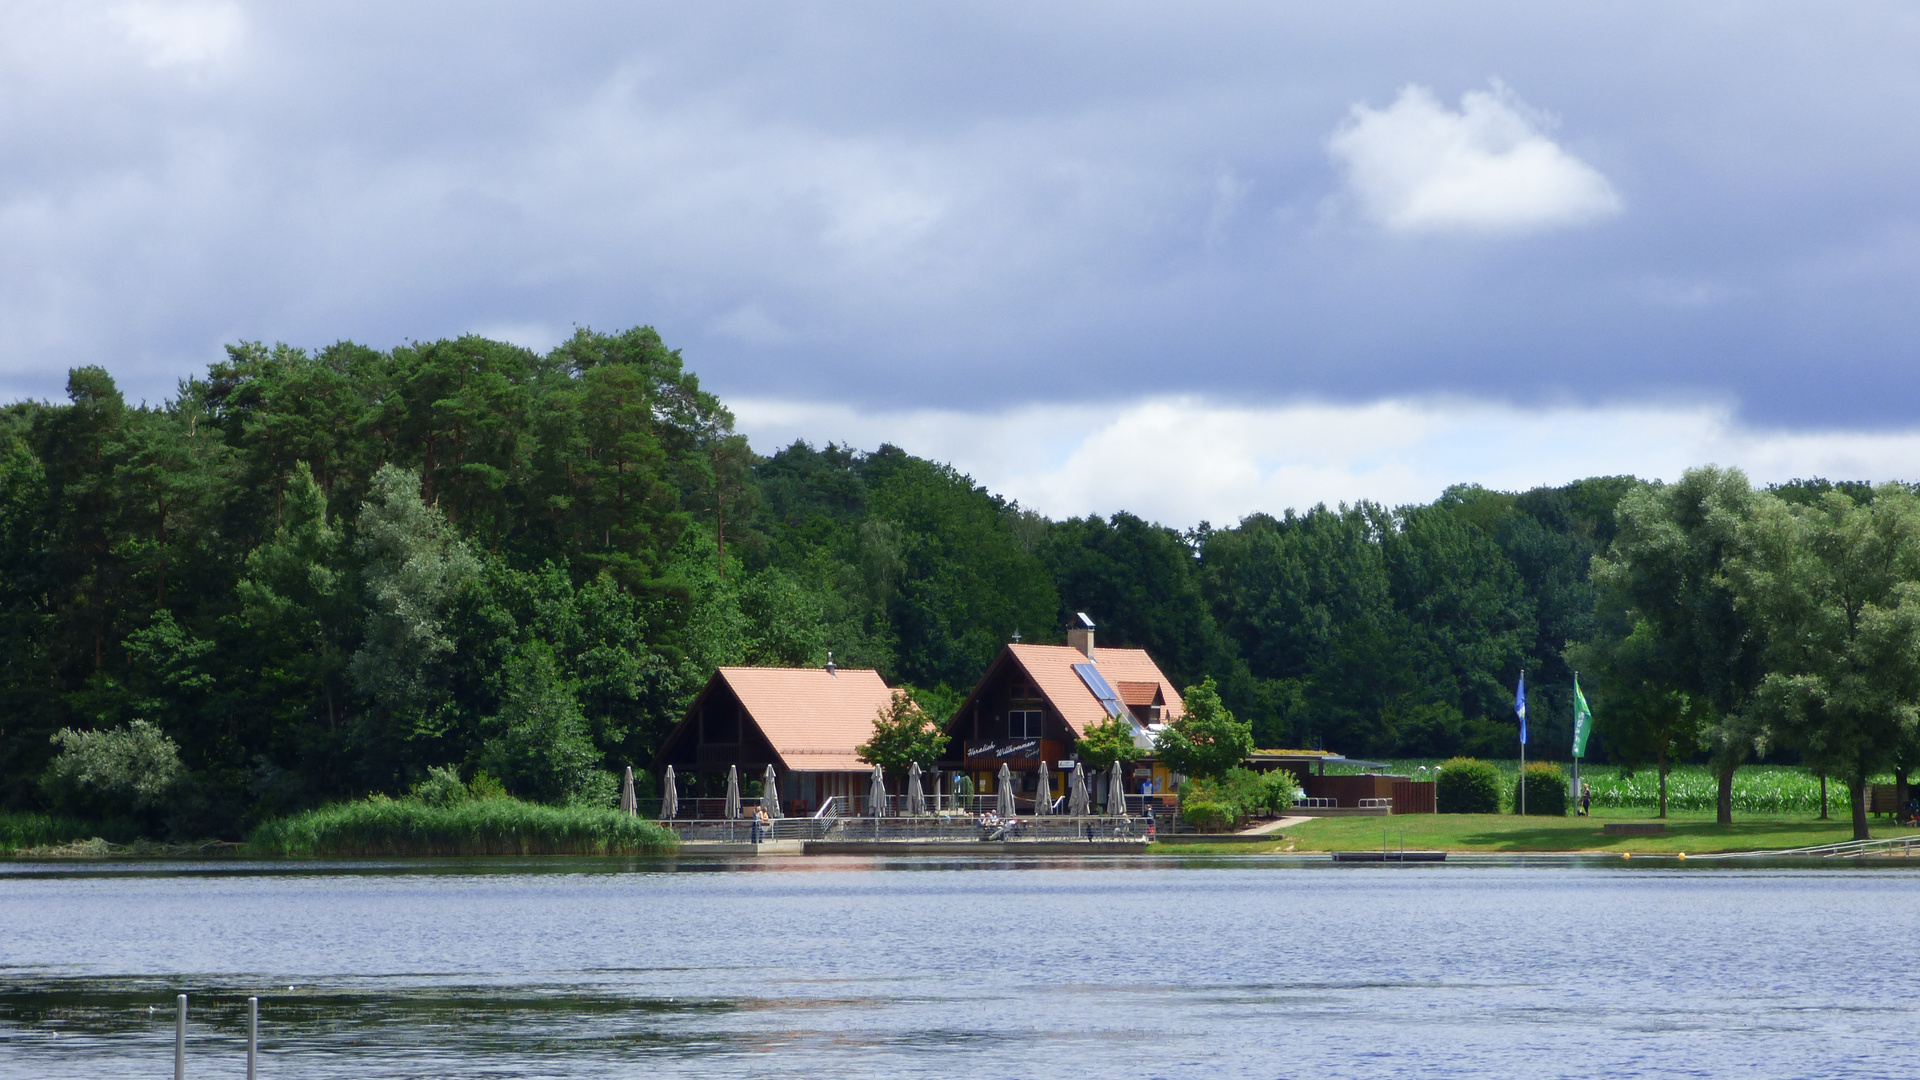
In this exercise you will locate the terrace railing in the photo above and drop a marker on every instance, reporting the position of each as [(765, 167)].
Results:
[(963, 828)]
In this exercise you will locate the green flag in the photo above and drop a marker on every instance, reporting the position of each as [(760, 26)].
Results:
[(1582, 720)]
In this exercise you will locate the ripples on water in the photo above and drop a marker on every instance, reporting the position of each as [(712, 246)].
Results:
[(868, 968)]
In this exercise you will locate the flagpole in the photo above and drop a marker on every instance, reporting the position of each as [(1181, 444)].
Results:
[(1523, 742), (1576, 738)]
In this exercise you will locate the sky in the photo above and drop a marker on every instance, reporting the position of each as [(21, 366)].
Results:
[(1189, 260)]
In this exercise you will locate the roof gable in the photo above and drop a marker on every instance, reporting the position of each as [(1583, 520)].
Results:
[(1050, 668), (814, 719)]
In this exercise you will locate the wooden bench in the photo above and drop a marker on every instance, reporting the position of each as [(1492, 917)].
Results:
[(1633, 828)]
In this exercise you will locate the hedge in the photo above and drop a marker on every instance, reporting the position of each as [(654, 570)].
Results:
[(1468, 786), (1546, 790)]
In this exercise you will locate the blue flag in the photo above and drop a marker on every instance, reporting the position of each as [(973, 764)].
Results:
[(1520, 707)]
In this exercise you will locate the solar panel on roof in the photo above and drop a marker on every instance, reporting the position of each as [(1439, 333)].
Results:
[(1097, 683)]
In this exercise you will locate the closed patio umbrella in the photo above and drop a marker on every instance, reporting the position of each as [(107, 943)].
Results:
[(770, 793), (669, 798), (916, 799), (629, 805), (1004, 806), (1043, 792), (1116, 793), (733, 792), (1077, 792), (877, 792)]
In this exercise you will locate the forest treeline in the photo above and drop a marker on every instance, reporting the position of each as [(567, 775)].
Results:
[(318, 575)]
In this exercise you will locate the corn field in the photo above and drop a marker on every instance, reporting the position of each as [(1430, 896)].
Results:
[(1757, 789)]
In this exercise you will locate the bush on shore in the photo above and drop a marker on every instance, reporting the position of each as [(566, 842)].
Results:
[(1468, 786), (1210, 805), (1546, 790), (495, 826)]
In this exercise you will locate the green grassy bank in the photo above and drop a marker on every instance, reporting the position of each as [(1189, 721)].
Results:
[(1692, 832), (498, 826)]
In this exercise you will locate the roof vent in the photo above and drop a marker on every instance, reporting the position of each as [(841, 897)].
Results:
[(1080, 634), (830, 663)]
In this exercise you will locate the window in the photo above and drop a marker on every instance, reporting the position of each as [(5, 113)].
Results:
[(1025, 723)]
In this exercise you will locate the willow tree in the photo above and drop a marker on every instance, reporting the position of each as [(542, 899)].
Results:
[(1667, 569), (1835, 586)]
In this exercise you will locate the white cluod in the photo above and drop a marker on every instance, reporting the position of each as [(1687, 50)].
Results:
[(1418, 166)]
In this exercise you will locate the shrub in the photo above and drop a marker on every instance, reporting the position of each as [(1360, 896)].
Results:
[(1280, 785), (123, 772), (1546, 790), (1235, 796), (442, 787), (601, 788), (1468, 786), (485, 786), (1207, 815)]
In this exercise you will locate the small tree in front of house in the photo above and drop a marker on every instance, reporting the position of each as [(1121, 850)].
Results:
[(1206, 741), (1104, 743), (903, 733)]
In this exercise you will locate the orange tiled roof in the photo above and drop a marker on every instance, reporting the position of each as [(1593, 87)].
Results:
[(813, 718), (1137, 693), (1051, 668)]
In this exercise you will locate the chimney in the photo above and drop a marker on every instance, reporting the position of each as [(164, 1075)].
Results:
[(830, 664), (1080, 633)]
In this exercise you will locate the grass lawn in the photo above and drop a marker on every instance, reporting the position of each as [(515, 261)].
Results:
[(1691, 832)]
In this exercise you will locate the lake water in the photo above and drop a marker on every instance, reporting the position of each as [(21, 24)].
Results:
[(854, 968)]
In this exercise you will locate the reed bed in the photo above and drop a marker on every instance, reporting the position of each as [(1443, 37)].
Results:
[(19, 831), (501, 826), (1757, 789)]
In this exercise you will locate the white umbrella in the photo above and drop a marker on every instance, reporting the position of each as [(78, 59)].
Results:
[(1043, 792), (770, 793), (670, 801), (733, 792), (916, 799), (1005, 808), (629, 805), (1116, 793), (1077, 792), (877, 792)]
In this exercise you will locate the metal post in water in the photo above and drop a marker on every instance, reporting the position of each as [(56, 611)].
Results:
[(180, 1037), (253, 1035)]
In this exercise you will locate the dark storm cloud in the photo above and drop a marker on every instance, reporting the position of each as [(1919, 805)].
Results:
[(978, 205)]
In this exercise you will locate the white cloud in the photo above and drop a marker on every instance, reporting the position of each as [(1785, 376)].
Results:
[(180, 34), (1181, 460), (1418, 166)]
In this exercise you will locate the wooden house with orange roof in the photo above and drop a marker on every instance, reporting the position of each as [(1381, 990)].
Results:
[(1035, 701), (805, 722)]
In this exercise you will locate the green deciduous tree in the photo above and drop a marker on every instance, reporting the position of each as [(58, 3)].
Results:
[(1835, 587), (1204, 741), (538, 743), (1639, 715), (903, 733), (414, 568), (122, 772), (1667, 568), (1109, 741)]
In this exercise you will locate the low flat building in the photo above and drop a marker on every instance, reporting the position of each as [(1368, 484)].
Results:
[(805, 722)]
